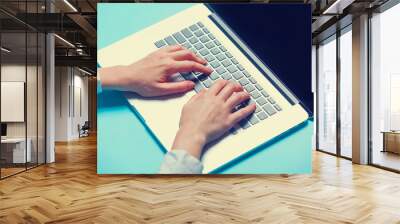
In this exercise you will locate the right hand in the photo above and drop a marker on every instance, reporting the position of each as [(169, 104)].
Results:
[(209, 114)]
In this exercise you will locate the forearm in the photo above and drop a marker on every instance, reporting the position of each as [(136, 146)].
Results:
[(111, 77), (191, 141)]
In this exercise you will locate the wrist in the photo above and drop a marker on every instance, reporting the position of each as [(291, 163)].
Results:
[(115, 78), (191, 141)]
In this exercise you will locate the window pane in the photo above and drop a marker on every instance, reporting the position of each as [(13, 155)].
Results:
[(31, 97), (14, 152), (385, 84), (345, 94), (327, 96)]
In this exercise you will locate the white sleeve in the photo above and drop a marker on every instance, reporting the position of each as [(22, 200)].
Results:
[(180, 162)]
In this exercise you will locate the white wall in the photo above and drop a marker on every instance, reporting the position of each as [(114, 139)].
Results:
[(71, 94)]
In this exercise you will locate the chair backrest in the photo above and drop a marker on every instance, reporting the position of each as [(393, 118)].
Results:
[(86, 124)]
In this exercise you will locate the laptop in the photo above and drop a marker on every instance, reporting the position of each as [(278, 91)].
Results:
[(201, 30)]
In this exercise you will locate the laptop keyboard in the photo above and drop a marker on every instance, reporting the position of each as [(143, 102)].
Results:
[(202, 42)]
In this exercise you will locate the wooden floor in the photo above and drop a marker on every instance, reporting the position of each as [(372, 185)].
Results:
[(70, 191)]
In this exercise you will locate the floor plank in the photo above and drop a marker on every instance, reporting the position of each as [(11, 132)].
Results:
[(70, 191)]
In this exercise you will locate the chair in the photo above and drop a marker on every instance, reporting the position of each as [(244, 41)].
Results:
[(84, 130)]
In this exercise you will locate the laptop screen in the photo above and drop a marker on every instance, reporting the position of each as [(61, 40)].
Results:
[(280, 35)]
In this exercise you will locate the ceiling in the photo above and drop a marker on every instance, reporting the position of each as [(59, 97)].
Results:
[(75, 21)]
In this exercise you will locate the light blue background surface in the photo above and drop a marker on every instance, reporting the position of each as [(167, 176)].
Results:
[(124, 144)]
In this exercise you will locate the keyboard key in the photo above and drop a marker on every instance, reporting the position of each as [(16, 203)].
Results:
[(204, 39), (264, 93), (205, 30), (209, 58), (261, 101), (269, 109), (201, 76), (243, 82), (215, 51), (215, 64), (211, 36), (193, 40), (232, 69), (246, 73), (214, 75), (160, 43), (227, 76), (217, 42), (170, 40), (255, 94), (221, 57), (252, 80), (233, 130), (223, 49), (207, 83), (258, 86), (199, 33), (262, 115), (257, 109), (204, 52), (189, 76), (200, 24), (178, 37), (240, 67), (193, 27), (210, 45), (186, 45), (220, 70), (253, 119), (186, 32), (229, 55), (198, 87), (251, 101), (244, 123), (271, 100), (237, 75), (234, 61), (227, 63), (198, 46), (277, 107), (249, 88)]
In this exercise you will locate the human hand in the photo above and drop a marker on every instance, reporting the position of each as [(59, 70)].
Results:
[(209, 114), (151, 75)]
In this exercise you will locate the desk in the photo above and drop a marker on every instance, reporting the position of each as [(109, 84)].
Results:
[(391, 141), (125, 146), (17, 153)]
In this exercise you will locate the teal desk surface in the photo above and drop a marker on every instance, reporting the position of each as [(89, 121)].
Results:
[(124, 144)]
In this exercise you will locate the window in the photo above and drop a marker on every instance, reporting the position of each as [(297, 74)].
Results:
[(346, 92), (327, 95), (22, 78), (385, 89)]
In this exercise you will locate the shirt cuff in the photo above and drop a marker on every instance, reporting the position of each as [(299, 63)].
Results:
[(180, 162), (99, 89)]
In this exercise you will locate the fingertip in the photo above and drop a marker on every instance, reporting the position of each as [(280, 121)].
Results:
[(253, 106), (202, 60), (189, 84)]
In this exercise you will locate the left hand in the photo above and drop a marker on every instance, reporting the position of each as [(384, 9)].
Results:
[(150, 76)]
